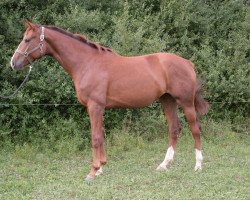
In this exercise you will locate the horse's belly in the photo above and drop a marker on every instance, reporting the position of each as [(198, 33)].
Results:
[(134, 96), (128, 103)]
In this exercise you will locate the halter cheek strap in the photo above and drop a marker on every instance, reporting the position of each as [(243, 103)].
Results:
[(27, 53)]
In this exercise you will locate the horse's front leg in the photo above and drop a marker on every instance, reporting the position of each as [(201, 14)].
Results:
[(103, 158), (97, 134)]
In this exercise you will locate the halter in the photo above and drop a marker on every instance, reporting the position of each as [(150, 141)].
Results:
[(26, 55)]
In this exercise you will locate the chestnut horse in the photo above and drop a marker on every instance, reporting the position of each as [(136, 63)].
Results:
[(104, 79)]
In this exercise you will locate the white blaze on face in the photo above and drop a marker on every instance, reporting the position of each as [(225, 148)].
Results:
[(168, 159), (11, 61)]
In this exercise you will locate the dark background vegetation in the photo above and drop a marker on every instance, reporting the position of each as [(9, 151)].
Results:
[(214, 34)]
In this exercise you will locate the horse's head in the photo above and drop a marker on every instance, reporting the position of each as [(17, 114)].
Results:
[(31, 47)]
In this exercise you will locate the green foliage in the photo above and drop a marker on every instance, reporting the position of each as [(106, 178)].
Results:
[(137, 31), (213, 34)]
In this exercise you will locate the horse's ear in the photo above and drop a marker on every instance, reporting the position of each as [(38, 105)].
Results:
[(28, 24)]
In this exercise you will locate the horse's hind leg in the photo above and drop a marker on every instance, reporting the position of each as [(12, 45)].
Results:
[(190, 114), (169, 106)]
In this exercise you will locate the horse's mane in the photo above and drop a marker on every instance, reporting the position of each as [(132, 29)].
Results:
[(81, 38)]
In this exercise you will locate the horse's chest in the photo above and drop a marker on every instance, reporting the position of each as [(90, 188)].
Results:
[(91, 90), (82, 94)]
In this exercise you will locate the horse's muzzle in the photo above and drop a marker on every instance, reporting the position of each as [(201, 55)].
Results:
[(17, 65)]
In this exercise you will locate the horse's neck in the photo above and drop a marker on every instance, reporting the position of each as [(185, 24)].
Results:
[(71, 54)]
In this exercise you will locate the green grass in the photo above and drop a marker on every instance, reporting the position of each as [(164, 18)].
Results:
[(29, 173)]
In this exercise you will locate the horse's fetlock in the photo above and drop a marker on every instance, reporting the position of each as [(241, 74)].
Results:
[(96, 166), (103, 162)]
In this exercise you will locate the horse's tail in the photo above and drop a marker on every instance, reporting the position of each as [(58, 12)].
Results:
[(201, 105)]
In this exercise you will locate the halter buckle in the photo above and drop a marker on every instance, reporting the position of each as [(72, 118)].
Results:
[(41, 38)]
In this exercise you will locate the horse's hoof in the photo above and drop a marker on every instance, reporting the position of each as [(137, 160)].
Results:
[(161, 168), (99, 172), (197, 168), (89, 179)]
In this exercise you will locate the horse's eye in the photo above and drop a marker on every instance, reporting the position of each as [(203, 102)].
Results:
[(27, 40)]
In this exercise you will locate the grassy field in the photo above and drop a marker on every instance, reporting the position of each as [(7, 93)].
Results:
[(27, 173)]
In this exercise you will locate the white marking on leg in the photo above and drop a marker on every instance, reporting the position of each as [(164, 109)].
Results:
[(199, 158), (99, 172), (168, 159), (89, 179)]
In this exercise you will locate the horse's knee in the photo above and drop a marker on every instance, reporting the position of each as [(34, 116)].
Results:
[(97, 140)]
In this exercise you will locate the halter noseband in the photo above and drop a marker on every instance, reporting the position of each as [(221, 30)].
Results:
[(27, 53)]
